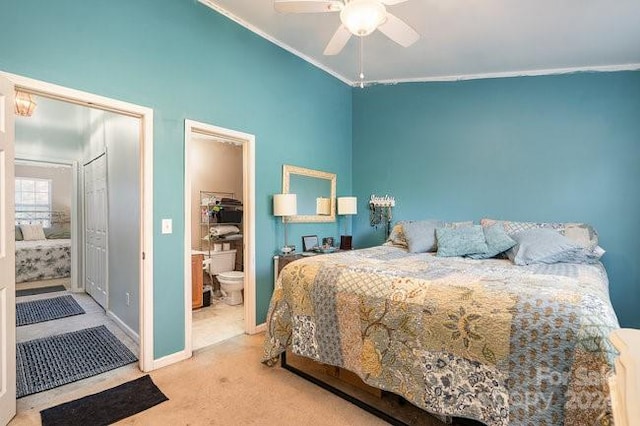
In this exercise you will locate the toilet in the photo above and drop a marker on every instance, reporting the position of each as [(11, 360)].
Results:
[(222, 264), (232, 283)]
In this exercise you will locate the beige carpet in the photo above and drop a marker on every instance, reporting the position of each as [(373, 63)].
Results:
[(224, 384)]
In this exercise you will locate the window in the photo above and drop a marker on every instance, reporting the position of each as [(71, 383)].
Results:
[(33, 201)]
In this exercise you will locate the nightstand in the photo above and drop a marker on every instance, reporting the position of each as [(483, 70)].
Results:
[(280, 261)]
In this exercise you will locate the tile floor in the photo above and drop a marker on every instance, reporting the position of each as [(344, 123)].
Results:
[(94, 316), (215, 323)]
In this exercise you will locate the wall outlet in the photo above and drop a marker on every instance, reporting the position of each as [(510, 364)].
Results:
[(128, 297), (167, 226)]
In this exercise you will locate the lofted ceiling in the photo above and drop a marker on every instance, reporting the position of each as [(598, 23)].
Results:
[(462, 39)]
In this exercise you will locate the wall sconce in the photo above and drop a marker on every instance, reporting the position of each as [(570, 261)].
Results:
[(380, 211), (25, 105), (285, 205), (346, 206)]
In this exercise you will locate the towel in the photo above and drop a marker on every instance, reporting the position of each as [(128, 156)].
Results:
[(224, 230)]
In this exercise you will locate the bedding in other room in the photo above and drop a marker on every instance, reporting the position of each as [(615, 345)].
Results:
[(43, 259), (481, 339)]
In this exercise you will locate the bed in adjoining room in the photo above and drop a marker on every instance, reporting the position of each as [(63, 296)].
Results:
[(455, 327), (44, 258)]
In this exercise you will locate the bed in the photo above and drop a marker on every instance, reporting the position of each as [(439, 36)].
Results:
[(43, 259), (480, 339)]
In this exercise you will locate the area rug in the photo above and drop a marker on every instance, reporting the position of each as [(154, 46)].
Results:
[(36, 311), (39, 290), (106, 407), (49, 362)]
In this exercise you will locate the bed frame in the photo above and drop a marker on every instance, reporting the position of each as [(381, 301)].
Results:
[(354, 390)]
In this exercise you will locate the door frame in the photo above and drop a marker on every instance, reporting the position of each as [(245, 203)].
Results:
[(76, 265), (145, 115), (191, 129)]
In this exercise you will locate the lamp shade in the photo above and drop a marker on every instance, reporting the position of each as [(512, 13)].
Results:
[(347, 205), (285, 204), (362, 17)]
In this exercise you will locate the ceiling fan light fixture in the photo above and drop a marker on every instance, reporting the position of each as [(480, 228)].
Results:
[(362, 17)]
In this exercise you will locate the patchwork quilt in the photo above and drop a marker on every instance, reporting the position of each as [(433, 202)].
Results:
[(43, 259), (482, 339)]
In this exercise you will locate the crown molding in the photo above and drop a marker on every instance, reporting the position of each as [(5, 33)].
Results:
[(508, 74)]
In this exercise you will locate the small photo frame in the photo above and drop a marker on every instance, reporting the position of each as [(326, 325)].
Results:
[(309, 242), (327, 242)]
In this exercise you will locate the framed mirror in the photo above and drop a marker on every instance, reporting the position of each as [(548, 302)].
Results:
[(316, 193)]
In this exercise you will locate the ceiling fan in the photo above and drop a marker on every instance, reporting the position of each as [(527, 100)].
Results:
[(359, 17)]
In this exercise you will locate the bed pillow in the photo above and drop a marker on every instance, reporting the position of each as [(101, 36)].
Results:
[(460, 241), (396, 236), (57, 233), (544, 245), (581, 233), (19, 236), (32, 232), (421, 235), (497, 240)]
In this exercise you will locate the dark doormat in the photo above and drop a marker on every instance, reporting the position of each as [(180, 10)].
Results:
[(106, 407), (53, 361), (36, 311), (39, 290)]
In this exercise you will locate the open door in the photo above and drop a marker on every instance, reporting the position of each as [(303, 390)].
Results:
[(7, 256)]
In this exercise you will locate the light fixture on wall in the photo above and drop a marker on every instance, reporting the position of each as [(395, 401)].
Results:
[(380, 211), (25, 105), (347, 206), (285, 205)]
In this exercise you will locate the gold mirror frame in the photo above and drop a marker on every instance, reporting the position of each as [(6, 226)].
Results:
[(288, 170)]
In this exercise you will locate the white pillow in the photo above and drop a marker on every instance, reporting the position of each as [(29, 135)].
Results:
[(33, 232)]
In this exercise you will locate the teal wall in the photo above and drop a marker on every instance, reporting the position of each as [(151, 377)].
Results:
[(186, 61), (555, 148)]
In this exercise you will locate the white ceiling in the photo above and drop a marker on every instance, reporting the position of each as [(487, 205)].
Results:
[(463, 39)]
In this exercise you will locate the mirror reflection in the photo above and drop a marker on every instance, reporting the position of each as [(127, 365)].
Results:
[(316, 193)]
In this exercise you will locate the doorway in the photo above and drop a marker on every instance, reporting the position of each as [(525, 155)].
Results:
[(221, 210), (44, 196), (144, 257)]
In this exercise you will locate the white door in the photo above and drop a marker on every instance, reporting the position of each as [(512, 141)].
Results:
[(95, 210), (7, 257)]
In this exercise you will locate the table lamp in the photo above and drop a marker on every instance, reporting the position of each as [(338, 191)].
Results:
[(346, 206), (285, 205)]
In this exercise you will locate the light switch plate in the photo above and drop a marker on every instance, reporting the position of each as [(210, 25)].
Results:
[(167, 226)]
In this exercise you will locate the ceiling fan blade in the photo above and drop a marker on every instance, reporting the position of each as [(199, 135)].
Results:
[(392, 2), (338, 41), (398, 31), (307, 6)]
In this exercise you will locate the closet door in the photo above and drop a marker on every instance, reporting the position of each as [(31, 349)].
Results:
[(95, 210)]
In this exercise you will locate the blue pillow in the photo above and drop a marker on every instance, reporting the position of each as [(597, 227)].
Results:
[(461, 241), (548, 246), (421, 235), (497, 241)]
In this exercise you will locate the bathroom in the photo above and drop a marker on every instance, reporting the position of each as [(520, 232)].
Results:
[(216, 184)]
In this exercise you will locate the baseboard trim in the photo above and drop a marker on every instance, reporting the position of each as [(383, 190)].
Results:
[(127, 330), (171, 359), (260, 328)]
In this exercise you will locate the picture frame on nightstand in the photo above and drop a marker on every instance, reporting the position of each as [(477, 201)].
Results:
[(309, 242)]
